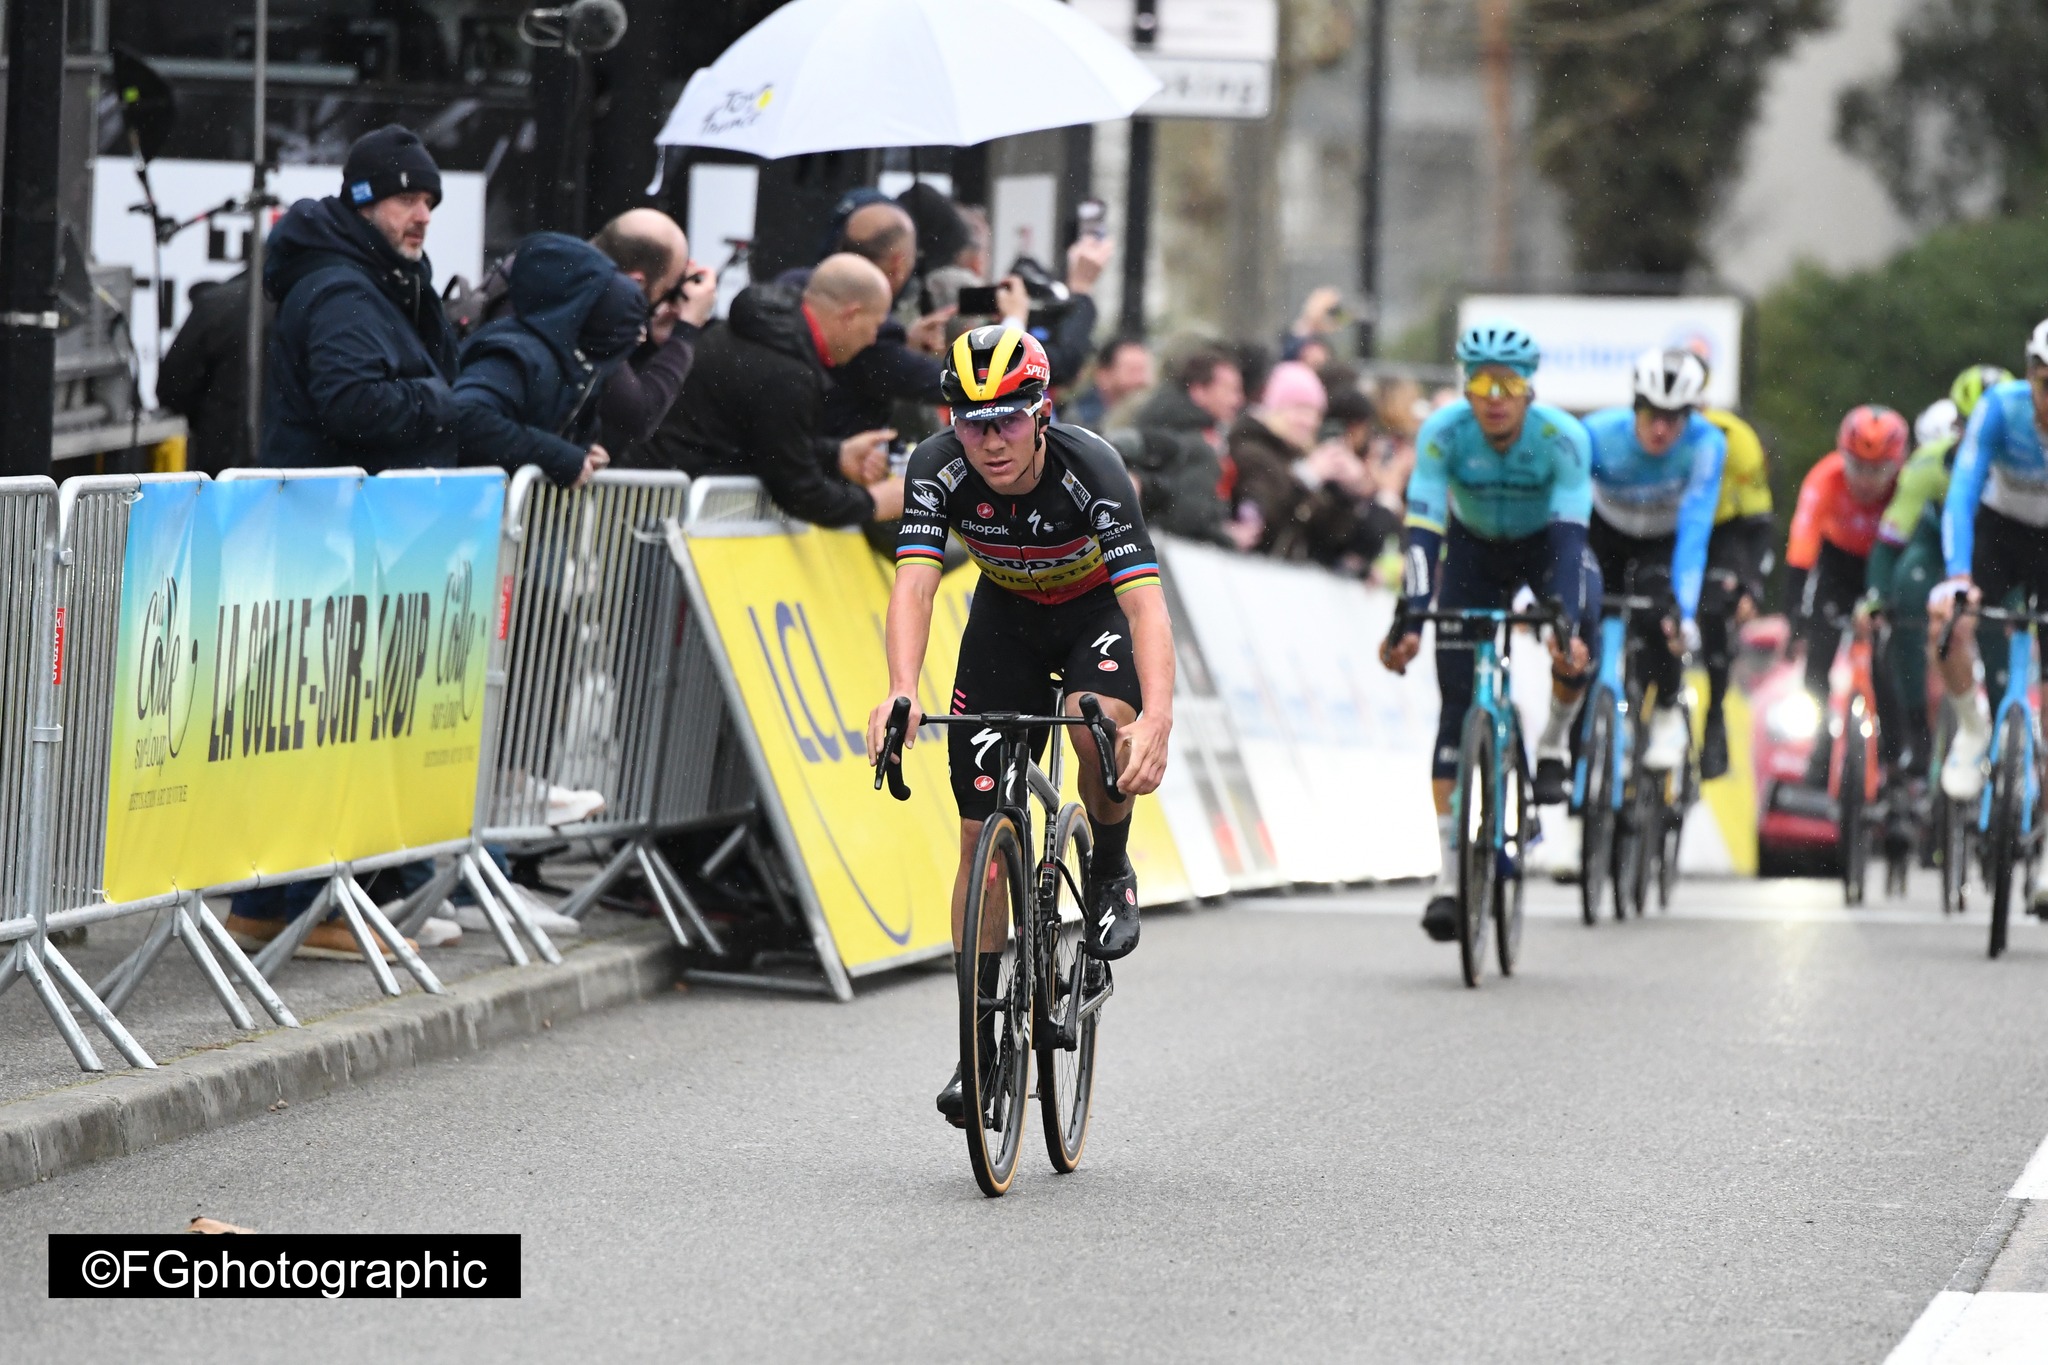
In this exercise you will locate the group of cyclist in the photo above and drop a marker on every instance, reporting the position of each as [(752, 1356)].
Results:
[(1665, 498), (1670, 499)]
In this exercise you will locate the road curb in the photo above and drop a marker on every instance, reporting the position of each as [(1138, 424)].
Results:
[(131, 1111)]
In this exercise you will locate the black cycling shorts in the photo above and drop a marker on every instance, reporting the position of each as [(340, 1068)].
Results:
[(1013, 656)]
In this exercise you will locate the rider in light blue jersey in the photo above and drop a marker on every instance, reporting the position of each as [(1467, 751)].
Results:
[(1656, 487), (1498, 501), (1994, 538)]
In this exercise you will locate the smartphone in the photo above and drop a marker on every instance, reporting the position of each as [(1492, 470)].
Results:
[(978, 301), (1091, 216)]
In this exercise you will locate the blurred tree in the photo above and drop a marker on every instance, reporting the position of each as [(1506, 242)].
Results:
[(1895, 334), (1641, 110), (1962, 122)]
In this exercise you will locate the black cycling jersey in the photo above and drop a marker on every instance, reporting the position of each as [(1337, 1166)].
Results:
[(1077, 531)]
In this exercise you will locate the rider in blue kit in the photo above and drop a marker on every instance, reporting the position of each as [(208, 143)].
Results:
[(1656, 485), (1498, 501), (1994, 537)]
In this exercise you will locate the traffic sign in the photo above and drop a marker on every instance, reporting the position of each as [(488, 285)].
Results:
[(1208, 87)]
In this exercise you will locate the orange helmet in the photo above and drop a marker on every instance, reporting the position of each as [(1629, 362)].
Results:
[(1873, 434)]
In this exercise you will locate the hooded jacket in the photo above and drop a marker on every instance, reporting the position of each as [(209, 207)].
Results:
[(361, 357), (754, 405), (527, 389)]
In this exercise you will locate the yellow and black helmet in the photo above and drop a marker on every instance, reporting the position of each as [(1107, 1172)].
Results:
[(994, 371)]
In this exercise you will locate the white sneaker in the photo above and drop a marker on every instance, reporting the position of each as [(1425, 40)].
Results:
[(435, 932), (1962, 772), (1669, 739), (569, 807), (548, 921)]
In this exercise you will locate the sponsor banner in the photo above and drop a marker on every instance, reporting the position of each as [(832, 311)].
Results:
[(800, 620), (298, 674), (1336, 749), (1590, 343)]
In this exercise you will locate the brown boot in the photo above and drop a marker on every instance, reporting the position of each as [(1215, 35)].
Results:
[(333, 941)]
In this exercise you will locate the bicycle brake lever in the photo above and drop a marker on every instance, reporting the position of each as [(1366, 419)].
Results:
[(889, 763), (1103, 730)]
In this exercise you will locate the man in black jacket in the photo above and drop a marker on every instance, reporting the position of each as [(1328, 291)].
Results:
[(204, 377), (361, 358), (756, 397)]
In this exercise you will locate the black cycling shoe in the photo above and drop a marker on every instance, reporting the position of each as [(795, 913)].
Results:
[(953, 1102), (1553, 781), (1440, 920), (1714, 748), (1112, 922)]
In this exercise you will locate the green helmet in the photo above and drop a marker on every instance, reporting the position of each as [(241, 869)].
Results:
[(1970, 386)]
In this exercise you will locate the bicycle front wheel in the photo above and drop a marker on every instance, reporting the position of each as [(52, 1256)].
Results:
[(1516, 829), (1671, 829), (1071, 991), (1854, 833), (995, 1007), (2002, 852), (1596, 811), (1477, 863), (1635, 840), (1952, 834)]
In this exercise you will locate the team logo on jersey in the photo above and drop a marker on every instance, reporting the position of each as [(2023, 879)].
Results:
[(984, 511), (1104, 515), (952, 474), (984, 783), (927, 494), (1076, 490), (1107, 665)]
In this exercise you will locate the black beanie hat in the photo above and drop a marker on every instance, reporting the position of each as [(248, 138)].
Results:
[(390, 161)]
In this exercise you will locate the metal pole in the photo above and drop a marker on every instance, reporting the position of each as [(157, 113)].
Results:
[(259, 224), (28, 233), (1372, 182), (1138, 193)]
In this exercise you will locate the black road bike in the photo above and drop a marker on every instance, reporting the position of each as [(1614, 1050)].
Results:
[(1037, 991)]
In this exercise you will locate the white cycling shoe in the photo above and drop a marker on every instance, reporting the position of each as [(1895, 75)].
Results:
[(1669, 739), (1962, 772)]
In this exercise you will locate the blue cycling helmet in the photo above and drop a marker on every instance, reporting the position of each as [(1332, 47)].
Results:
[(1499, 343)]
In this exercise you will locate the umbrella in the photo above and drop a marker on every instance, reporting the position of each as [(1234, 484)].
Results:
[(828, 75)]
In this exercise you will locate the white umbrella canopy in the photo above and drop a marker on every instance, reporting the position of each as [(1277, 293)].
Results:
[(829, 75)]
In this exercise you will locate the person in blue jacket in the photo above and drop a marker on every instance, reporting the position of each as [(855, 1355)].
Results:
[(1656, 486), (1499, 501), (526, 392), (362, 361)]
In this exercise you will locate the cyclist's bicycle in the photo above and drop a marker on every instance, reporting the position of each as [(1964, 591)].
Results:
[(1856, 773), (1493, 805), (2008, 828), (1047, 994), (1631, 819), (1952, 822)]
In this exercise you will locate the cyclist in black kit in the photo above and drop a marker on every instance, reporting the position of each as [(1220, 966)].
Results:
[(1070, 598)]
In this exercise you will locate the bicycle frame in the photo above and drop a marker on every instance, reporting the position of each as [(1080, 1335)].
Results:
[(2019, 680), (1613, 676), (1859, 711)]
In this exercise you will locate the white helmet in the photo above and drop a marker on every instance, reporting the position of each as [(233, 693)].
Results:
[(1937, 421), (2037, 344), (1670, 380)]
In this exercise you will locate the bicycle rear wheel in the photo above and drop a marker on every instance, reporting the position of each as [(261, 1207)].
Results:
[(1854, 835), (1596, 809), (2002, 851), (1071, 994), (995, 1029), (1477, 863)]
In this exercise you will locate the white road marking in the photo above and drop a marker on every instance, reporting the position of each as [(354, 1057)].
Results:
[(2033, 1181), (1976, 1329)]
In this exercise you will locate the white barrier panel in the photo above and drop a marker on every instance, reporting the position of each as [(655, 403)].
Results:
[(1336, 750)]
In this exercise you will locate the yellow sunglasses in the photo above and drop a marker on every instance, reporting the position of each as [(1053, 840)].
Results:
[(1496, 386)]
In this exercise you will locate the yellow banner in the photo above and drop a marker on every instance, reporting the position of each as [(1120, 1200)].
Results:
[(298, 674), (800, 617)]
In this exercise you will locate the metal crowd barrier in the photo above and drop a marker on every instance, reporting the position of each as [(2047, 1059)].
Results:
[(606, 685)]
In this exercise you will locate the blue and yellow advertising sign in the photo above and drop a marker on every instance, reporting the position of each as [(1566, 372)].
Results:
[(299, 676), (800, 618)]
